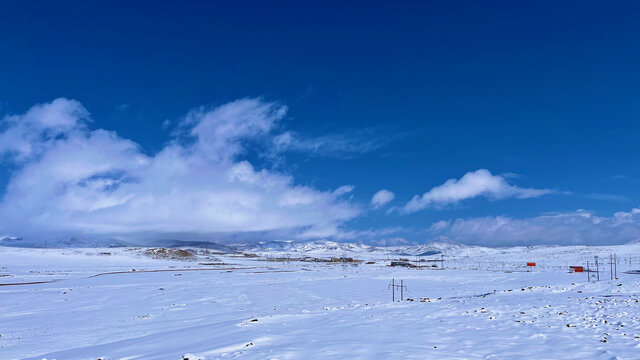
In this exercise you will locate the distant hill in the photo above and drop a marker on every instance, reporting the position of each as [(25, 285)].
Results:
[(75, 242)]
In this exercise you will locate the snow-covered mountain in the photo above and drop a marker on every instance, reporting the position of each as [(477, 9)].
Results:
[(325, 245), (302, 248), (447, 249), (317, 246)]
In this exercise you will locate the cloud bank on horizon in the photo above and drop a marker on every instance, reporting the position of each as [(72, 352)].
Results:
[(70, 180), (574, 228)]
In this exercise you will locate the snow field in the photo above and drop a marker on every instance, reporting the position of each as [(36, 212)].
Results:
[(256, 309)]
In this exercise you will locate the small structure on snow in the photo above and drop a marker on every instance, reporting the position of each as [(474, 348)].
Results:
[(402, 263)]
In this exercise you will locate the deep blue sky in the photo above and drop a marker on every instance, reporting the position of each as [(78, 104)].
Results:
[(543, 89)]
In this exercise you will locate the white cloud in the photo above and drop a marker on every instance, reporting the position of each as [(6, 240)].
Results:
[(476, 183), (382, 198), (575, 228), (27, 135), (344, 189), (220, 132), (73, 181)]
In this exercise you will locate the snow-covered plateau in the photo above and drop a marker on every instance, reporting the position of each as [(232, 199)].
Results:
[(319, 300)]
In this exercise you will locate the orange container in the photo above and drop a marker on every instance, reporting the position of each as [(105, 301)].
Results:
[(531, 264)]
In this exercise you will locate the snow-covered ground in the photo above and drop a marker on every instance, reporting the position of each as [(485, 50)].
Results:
[(113, 303)]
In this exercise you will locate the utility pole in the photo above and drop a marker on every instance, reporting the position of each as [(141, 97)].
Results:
[(393, 287), (611, 266), (593, 274), (588, 272), (393, 290)]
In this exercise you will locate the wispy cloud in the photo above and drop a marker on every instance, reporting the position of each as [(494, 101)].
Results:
[(473, 184), (73, 180), (608, 197), (341, 145), (123, 107), (391, 241)]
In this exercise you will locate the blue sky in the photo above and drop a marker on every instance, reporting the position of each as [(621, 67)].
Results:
[(395, 96)]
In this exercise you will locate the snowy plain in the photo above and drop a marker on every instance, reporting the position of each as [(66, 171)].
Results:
[(121, 303)]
